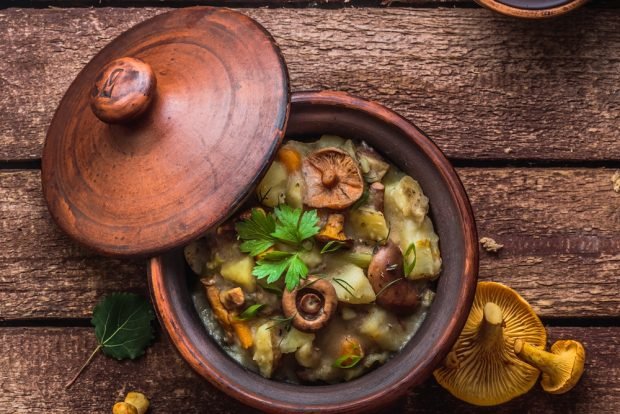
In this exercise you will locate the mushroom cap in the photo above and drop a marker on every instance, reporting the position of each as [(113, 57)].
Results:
[(484, 372), (569, 367), (387, 277), (311, 305), (333, 179)]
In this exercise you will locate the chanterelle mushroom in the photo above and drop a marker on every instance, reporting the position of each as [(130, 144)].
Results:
[(333, 230), (311, 305), (333, 179), (482, 368), (387, 276), (561, 368)]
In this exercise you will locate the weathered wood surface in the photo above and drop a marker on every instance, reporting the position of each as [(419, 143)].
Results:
[(560, 227), (30, 385), (246, 3), (270, 3), (481, 85)]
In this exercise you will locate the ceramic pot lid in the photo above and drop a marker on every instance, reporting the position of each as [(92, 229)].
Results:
[(165, 131)]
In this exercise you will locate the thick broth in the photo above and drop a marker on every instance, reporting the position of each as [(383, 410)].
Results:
[(371, 320)]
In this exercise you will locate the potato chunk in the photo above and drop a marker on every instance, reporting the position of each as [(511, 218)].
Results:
[(272, 189), (405, 198), (351, 284), (265, 354), (428, 259), (368, 224), (384, 329), (240, 272), (294, 190), (294, 340)]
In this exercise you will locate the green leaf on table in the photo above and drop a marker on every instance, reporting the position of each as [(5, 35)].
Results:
[(123, 328), (123, 325)]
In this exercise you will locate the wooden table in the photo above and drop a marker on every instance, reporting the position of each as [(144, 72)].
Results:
[(529, 112)]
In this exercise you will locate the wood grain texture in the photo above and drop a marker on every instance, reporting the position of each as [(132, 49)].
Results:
[(481, 85), (36, 384), (244, 3), (560, 228), (270, 3)]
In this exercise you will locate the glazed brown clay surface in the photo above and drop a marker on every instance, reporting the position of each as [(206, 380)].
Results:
[(404, 145), (219, 106), (123, 90)]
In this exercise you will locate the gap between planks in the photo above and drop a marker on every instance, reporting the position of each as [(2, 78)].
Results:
[(481, 85), (560, 228), (36, 384), (327, 4)]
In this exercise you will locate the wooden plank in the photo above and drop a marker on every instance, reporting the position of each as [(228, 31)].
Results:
[(560, 228), (244, 3), (42, 272), (36, 384), (269, 3), (481, 85)]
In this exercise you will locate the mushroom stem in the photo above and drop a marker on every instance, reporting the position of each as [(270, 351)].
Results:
[(535, 356), (562, 367), (492, 325), (329, 179)]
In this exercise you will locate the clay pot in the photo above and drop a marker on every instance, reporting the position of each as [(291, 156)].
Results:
[(313, 114)]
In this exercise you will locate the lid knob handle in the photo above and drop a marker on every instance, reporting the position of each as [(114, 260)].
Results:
[(123, 90)]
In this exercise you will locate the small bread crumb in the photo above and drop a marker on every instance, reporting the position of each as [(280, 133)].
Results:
[(507, 150), (490, 245), (615, 179)]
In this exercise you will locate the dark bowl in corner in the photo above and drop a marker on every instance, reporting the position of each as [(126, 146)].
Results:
[(313, 114), (532, 9)]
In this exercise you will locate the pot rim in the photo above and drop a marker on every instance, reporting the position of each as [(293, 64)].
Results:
[(505, 9), (171, 322)]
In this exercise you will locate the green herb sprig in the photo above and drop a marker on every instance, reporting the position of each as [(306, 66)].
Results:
[(287, 225), (347, 361), (332, 246), (410, 264), (250, 312)]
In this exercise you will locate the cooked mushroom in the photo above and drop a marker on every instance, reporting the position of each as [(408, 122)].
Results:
[(387, 276), (232, 298), (333, 179), (373, 166), (333, 230), (482, 368), (310, 306), (561, 368), (376, 194)]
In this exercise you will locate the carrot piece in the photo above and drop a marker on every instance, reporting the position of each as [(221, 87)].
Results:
[(228, 321), (243, 333), (290, 157)]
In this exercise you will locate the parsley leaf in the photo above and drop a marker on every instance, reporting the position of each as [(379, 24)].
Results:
[(274, 264), (122, 327), (291, 226), (297, 270), (294, 225), (256, 232)]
